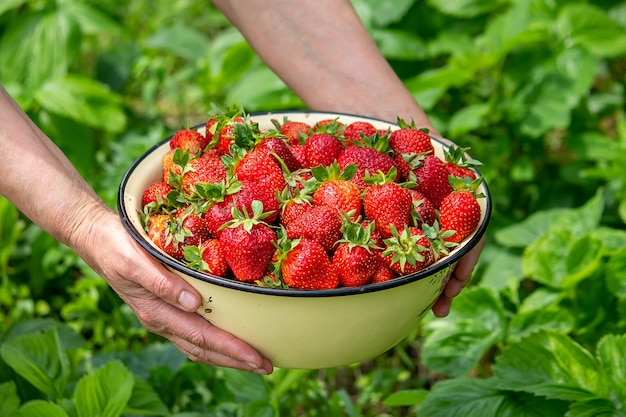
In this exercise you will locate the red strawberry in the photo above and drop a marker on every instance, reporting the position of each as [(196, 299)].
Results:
[(299, 152), (203, 170), (156, 193), (169, 167), (218, 213), (368, 161), (276, 147), (322, 149), (189, 139), (354, 130), (336, 191), (293, 131), (432, 178), (319, 223), (424, 208), (159, 233), (356, 258), (457, 163), (410, 140), (383, 274), (460, 212), (224, 127), (191, 226), (261, 177), (307, 266), (293, 204), (387, 204), (248, 244), (409, 251), (213, 256)]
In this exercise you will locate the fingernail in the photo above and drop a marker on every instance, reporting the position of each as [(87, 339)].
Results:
[(187, 300)]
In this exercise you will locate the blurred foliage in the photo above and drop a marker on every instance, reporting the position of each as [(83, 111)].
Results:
[(535, 87)]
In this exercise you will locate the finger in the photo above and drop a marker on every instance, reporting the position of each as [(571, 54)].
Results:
[(441, 308), (465, 267), (203, 341)]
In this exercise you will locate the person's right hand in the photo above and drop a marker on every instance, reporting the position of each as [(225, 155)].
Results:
[(163, 302)]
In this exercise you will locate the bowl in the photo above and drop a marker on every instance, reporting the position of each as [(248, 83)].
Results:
[(303, 329)]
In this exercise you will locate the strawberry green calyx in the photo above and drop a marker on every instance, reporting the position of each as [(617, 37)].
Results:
[(466, 184), (380, 178), (438, 239), (404, 248), (458, 156), (404, 125), (243, 218), (356, 234), (193, 256), (334, 172)]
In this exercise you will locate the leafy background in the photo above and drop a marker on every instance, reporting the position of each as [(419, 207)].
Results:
[(535, 87)]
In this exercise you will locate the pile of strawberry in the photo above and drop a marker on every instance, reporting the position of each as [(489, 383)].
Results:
[(309, 206)]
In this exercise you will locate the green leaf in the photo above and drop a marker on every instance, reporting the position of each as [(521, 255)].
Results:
[(468, 118), (406, 398), (383, 13), (39, 408), (47, 36), (551, 364), (584, 219), (246, 386), (40, 359), (502, 270), (594, 408), (583, 258), (523, 234), (9, 400), (465, 8), (475, 323), (91, 20), (615, 268), (400, 45), (8, 5), (540, 311), (544, 259), (83, 100), (180, 41), (144, 400), (471, 397), (610, 351), (590, 26), (105, 392)]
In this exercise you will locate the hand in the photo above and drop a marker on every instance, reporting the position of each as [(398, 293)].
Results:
[(164, 303), (460, 278)]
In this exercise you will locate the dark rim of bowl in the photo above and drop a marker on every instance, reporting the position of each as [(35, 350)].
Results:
[(247, 287)]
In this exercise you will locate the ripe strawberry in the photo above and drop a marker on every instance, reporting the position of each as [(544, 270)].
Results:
[(213, 256), (408, 251), (322, 149), (218, 213), (169, 167), (383, 274), (248, 244), (294, 132), (424, 209), (189, 139), (458, 164), (293, 204), (203, 170), (335, 190), (329, 126), (354, 130), (156, 193), (355, 258), (432, 178), (387, 204), (299, 152), (224, 128), (368, 161), (277, 148), (162, 234), (192, 226), (410, 140), (460, 212), (261, 177), (319, 223), (305, 265)]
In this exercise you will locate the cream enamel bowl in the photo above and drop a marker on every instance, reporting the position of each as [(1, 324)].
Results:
[(298, 328)]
